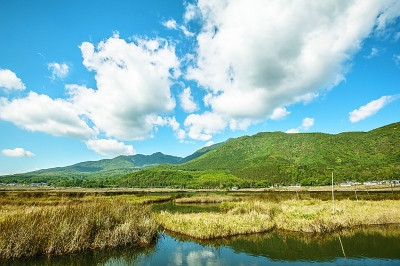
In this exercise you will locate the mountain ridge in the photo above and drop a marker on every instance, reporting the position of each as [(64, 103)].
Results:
[(263, 159)]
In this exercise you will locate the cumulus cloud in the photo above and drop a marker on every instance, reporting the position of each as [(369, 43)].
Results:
[(133, 83), (170, 24), (239, 124), (58, 70), (307, 123), (371, 108), (110, 147), (296, 49), (279, 113), (292, 131), (187, 102), (41, 113), (9, 80), (202, 127), (17, 152)]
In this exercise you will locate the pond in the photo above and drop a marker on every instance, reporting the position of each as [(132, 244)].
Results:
[(362, 246)]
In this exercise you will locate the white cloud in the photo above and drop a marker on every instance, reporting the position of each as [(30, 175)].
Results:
[(171, 122), (187, 102), (279, 113), (307, 123), (9, 80), (170, 24), (58, 70), (209, 143), (133, 84), (180, 134), (239, 124), (389, 16), (190, 12), (296, 49), (110, 147), (17, 152), (292, 131), (370, 108), (41, 113), (202, 127), (186, 31)]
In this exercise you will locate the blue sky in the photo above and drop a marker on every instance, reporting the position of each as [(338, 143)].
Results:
[(86, 80)]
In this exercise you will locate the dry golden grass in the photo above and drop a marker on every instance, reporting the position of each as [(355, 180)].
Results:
[(214, 225), (71, 225), (206, 198), (253, 216), (315, 216)]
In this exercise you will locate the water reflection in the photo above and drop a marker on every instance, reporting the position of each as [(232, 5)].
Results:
[(381, 243), (362, 246)]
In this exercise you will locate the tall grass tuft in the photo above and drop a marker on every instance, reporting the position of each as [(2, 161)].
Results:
[(60, 229), (308, 216)]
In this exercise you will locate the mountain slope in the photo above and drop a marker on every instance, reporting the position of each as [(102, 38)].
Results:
[(89, 173), (264, 159), (290, 158)]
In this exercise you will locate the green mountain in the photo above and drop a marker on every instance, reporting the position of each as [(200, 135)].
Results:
[(290, 158), (91, 171), (267, 159), (130, 163), (261, 160)]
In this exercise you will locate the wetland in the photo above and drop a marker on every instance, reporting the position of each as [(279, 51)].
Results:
[(196, 228)]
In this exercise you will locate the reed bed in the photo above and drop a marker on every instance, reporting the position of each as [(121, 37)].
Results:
[(316, 216), (73, 226), (214, 225), (206, 198), (308, 216)]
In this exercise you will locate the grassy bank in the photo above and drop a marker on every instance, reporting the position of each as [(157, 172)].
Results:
[(58, 224), (254, 215)]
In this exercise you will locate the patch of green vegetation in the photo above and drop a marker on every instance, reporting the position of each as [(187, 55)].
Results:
[(259, 161), (277, 158), (161, 177)]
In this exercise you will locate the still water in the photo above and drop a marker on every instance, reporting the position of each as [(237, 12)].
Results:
[(363, 246)]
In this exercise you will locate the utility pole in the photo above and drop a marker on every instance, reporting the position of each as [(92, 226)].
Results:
[(333, 198)]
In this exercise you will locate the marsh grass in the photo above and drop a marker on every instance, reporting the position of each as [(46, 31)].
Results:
[(68, 224), (214, 225), (315, 216), (254, 215), (207, 198)]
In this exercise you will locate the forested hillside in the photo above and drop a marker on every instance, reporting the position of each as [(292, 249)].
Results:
[(307, 157), (93, 173), (261, 160)]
